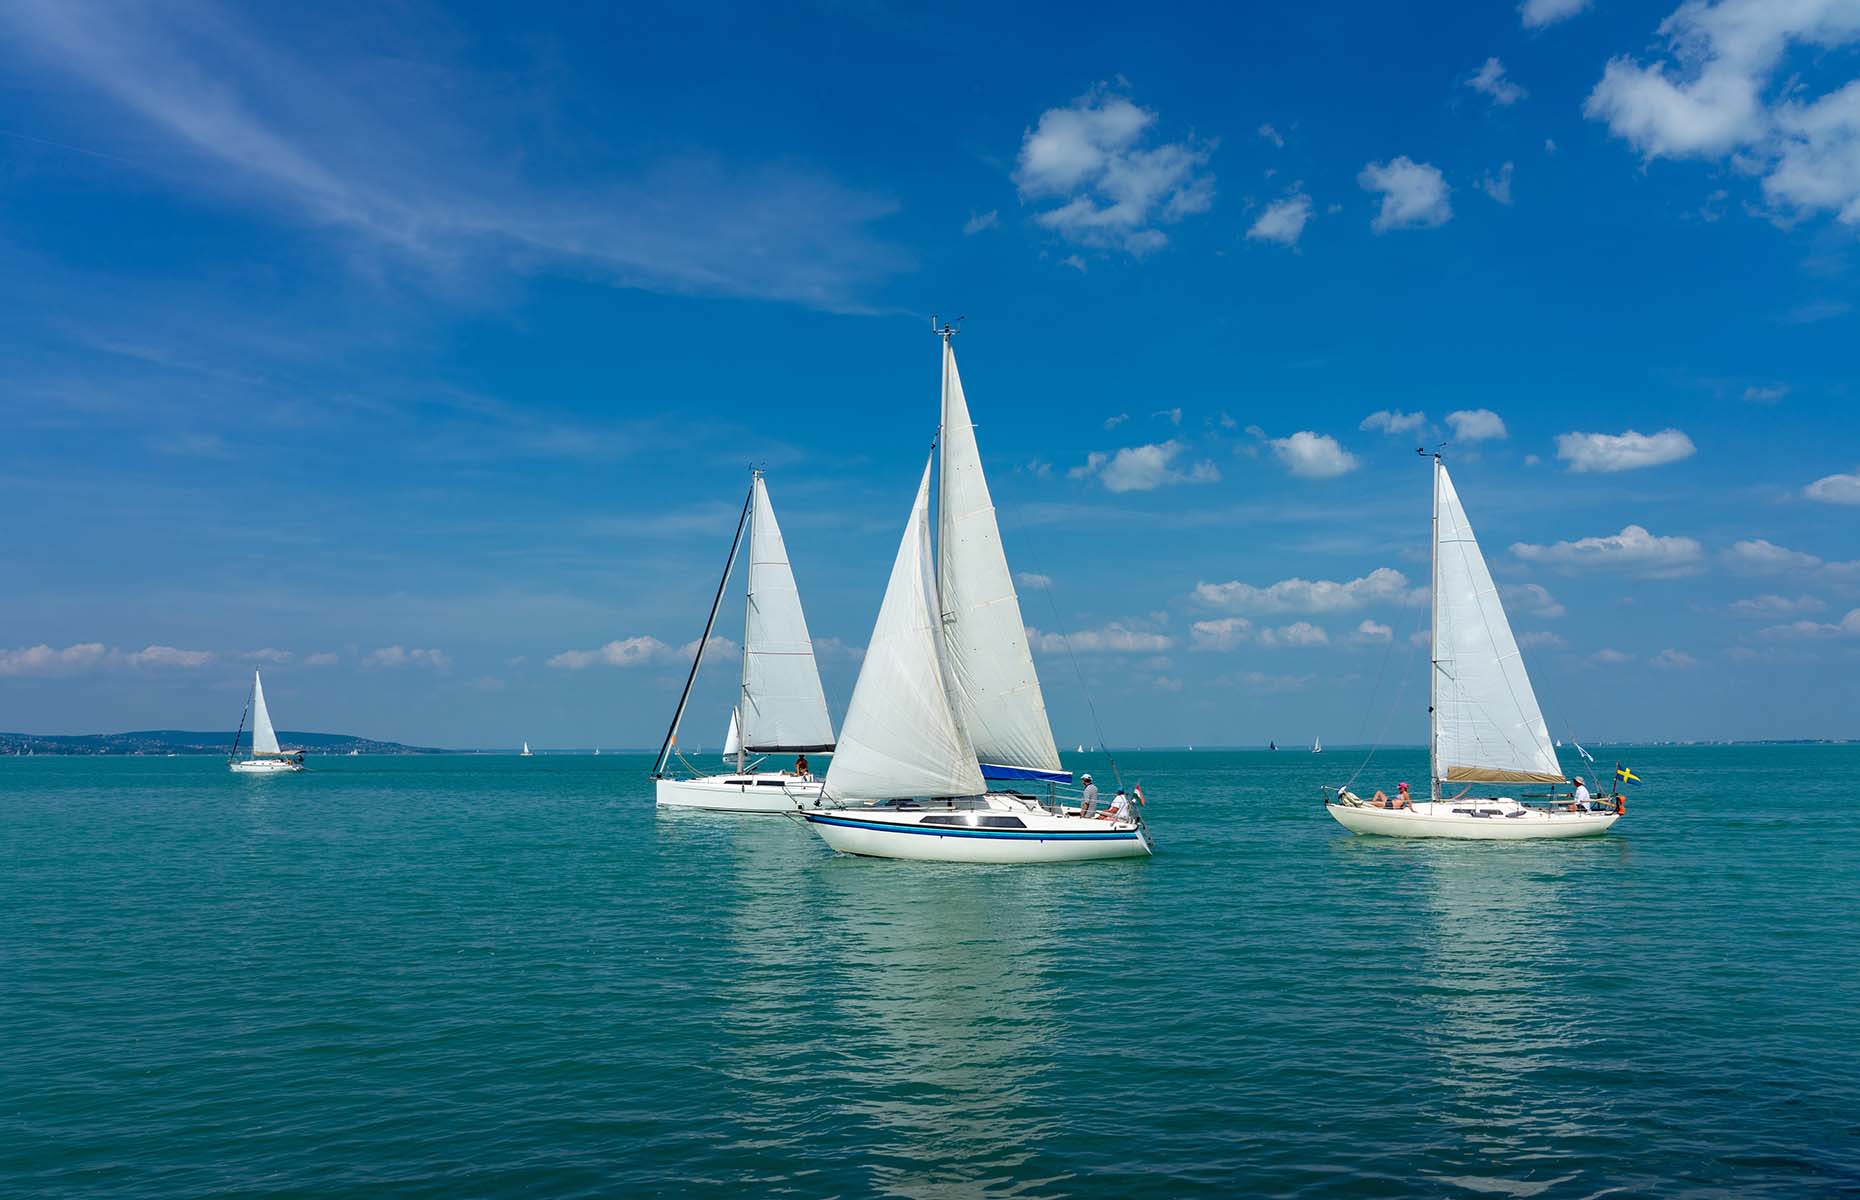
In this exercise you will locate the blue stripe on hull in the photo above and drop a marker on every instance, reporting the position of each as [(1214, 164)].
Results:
[(960, 831)]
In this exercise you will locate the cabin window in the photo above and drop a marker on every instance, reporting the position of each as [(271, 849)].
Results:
[(1003, 823), (939, 819)]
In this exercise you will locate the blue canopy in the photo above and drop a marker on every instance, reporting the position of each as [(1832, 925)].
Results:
[(997, 771)]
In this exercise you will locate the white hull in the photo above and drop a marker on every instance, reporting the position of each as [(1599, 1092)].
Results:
[(752, 792), (1007, 831), (1460, 819), (265, 766)]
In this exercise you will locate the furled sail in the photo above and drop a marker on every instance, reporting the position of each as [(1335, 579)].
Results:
[(1487, 726), (783, 707), (264, 737), (989, 666), (900, 738)]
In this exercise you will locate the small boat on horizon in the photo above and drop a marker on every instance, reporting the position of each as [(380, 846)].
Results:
[(267, 758), (525, 752), (1317, 745)]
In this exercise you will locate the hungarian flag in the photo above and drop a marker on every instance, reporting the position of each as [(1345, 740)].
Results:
[(1138, 793)]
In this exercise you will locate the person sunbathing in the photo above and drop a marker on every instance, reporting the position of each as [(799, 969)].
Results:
[(1401, 799)]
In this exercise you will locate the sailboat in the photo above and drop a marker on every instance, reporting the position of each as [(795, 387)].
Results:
[(526, 751), (947, 697), (267, 758), (780, 708), (1317, 745), (1485, 726)]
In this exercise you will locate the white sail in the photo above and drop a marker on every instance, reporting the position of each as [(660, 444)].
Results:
[(989, 666), (782, 706), (731, 742), (900, 738), (264, 737), (1487, 726)]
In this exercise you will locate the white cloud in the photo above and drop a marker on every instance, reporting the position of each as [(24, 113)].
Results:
[(1769, 607), (1760, 556), (1272, 135), (1497, 186), (1033, 580), (1713, 98), (1414, 195), (1633, 549), (1171, 415), (404, 656), (1165, 683), (1772, 394), (824, 648), (1848, 626), (268, 654), (1073, 261), (1673, 660), (1392, 421), (1113, 638), (323, 659), (1283, 221), (1476, 425), (1489, 80), (1835, 489), (43, 660), (1372, 631), (1224, 633), (1314, 455), (1531, 600), (1384, 585), (1143, 468), (1112, 189), (1589, 453), (1539, 13), (1298, 633), (168, 656), (1541, 640), (977, 222), (1610, 657), (1114, 422)]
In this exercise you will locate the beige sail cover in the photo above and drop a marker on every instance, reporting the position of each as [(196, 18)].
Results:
[(992, 682), (900, 738), (1487, 725)]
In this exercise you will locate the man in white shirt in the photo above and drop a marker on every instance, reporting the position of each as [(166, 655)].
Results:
[(1090, 800), (1120, 807), (1580, 801)]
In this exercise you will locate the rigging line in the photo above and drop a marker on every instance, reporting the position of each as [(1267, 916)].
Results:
[(697, 659), (1401, 689)]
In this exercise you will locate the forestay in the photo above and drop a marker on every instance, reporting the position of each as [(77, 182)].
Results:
[(901, 738), (1487, 725), (782, 706), (264, 737), (992, 683)]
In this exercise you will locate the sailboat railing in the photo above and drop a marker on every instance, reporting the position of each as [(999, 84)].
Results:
[(710, 623)]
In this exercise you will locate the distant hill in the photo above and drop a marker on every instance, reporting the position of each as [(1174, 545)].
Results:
[(181, 741)]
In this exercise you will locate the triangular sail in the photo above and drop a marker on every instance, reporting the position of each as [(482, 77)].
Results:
[(731, 742), (1487, 726), (783, 707), (990, 668), (264, 737), (900, 738)]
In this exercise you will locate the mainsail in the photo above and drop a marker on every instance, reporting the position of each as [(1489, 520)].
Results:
[(901, 738), (264, 737), (1487, 726), (989, 668), (782, 706)]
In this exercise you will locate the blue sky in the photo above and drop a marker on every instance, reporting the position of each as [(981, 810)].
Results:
[(406, 349)]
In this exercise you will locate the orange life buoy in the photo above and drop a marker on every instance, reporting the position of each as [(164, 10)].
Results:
[(1620, 805)]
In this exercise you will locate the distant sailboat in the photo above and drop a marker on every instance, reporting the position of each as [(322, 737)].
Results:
[(1272, 745), (948, 697), (1484, 723), (1317, 745), (1081, 749), (267, 758), (526, 751), (780, 707)]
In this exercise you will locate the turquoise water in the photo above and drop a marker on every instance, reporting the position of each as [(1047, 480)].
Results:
[(499, 977)]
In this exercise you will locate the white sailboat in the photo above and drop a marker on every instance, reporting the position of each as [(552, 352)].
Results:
[(526, 751), (1317, 745), (1485, 727), (267, 758), (948, 698), (780, 707)]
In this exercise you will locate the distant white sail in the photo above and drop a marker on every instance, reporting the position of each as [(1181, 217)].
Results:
[(989, 666), (782, 706), (264, 737), (1487, 725), (731, 742), (900, 738)]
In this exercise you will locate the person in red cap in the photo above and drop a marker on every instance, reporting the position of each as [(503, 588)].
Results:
[(1401, 799)]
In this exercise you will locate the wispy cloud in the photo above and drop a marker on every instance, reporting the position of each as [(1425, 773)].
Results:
[(640, 651), (1114, 638), (1414, 195), (1835, 489), (1283, 221), (1489, 80), (1143, 468), (1384, 585), (1633, 549), (1587, 453), (1314, 455), (403, 656)]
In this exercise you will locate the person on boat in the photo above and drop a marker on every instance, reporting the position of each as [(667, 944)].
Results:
[(800, 766), (1579, 800), (1401, 799), (1090, 799), (1119, 810)]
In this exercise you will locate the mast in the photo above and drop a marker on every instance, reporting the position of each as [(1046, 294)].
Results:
[(1433, 643), (749, 598), (947, 332), (671, 735)]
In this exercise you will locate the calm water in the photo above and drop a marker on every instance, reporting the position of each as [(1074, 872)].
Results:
[(502, 977)]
